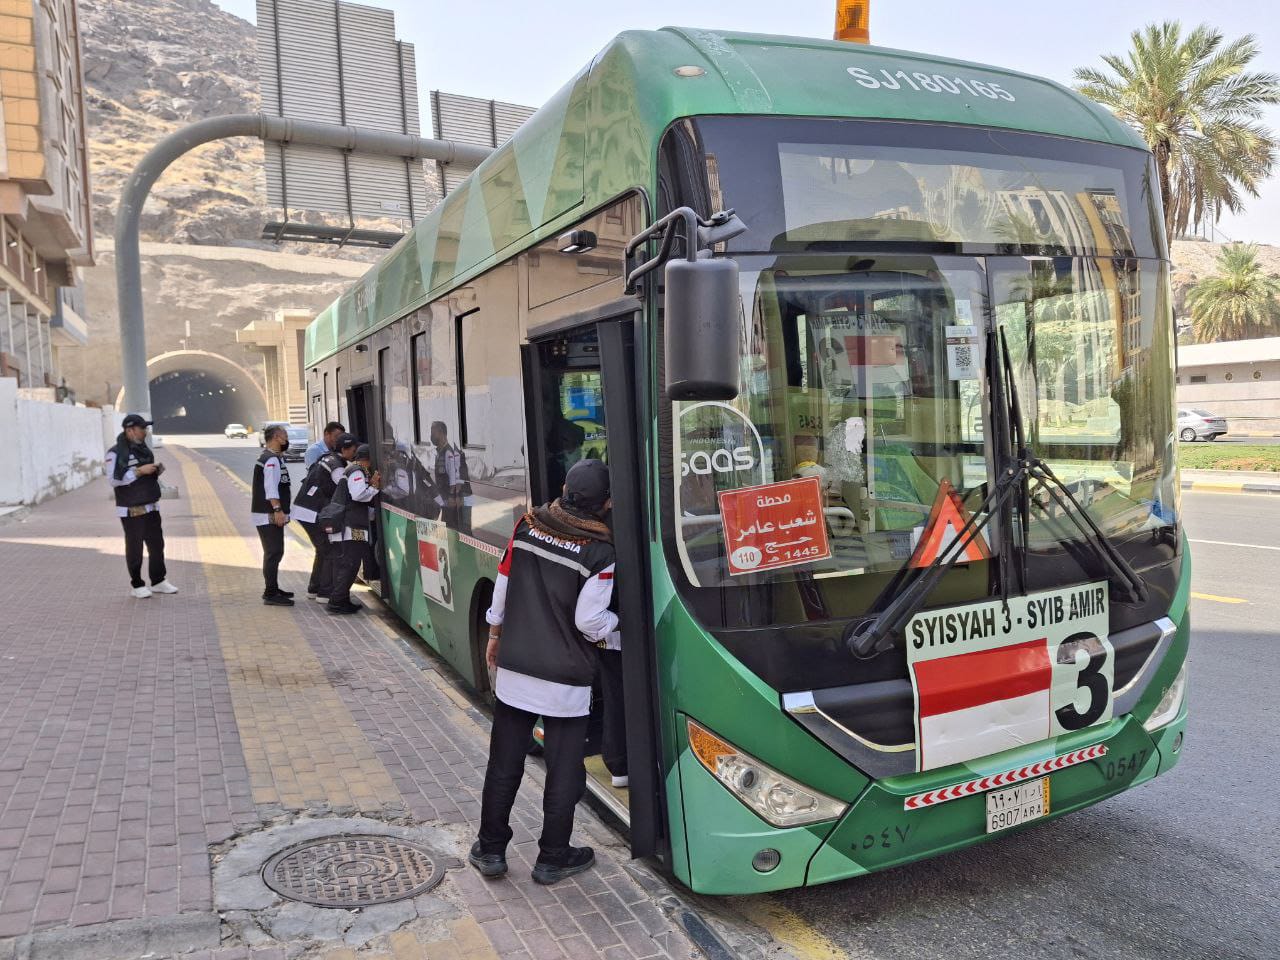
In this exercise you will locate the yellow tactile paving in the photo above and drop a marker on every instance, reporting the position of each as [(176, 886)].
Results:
[(301, 745), (466, 941)]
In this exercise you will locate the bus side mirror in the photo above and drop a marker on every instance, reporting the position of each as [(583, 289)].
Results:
[(702, 329)]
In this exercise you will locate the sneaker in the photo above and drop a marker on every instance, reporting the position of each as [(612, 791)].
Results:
[(164, 586), (622, 782), (576, 861), (312, 592), (489, 864), (141, 593), (285, 593), (277, 601), (320, 598), (340, 608)]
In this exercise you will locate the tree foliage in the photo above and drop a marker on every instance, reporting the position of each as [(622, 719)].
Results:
[(1239, 302), (1195, 103)]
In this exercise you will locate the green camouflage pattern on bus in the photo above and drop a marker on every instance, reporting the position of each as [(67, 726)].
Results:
[(597, 138)]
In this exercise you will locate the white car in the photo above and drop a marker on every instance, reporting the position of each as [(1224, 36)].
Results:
[(1194, 424), (236, 431)]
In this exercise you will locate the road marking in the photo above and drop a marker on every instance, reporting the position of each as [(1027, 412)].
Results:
[(1217, 599), (1228, 543), (803, 940)]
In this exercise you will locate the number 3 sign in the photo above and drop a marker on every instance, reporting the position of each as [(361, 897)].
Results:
[(989, 677)]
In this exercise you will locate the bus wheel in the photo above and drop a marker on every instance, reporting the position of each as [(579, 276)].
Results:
[(480, 600)]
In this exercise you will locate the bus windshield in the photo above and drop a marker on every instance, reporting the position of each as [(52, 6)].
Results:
[(863, 390)]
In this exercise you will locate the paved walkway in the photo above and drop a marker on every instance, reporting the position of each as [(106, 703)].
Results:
[(1231, 481), (145, 745)]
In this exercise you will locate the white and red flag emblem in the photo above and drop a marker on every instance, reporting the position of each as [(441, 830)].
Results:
[(989, 677)]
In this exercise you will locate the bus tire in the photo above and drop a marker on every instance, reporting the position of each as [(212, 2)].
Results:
[(481, 597)]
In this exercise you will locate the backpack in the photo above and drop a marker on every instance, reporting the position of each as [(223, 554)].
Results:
[(332, 517)]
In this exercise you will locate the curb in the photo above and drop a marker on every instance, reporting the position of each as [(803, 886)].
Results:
[(1204, 486)]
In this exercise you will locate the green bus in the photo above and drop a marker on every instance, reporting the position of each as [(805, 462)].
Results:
[(879, 350)]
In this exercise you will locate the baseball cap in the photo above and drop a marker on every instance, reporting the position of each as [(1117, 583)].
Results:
[(347, 440), (362, 452), (587, 485), (135, 420)]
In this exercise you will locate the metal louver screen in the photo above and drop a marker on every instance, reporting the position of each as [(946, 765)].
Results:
[(483, 123), (339, 63)]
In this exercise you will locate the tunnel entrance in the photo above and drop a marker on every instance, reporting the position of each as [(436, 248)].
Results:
[(193, 391), (198, 401)]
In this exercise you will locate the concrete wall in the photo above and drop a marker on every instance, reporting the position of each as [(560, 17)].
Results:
[(59, 446), (1251, 405)]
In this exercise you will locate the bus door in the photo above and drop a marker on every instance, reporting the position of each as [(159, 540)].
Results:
[(582, 402), (365, 425)]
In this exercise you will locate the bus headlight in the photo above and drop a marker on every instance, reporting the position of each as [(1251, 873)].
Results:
[(1167, 709), (774, 796)]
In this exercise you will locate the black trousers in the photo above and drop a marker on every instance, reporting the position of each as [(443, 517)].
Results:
[(613, 740), (347, 557), (138, 531), (272, 538), (322, 566), (563, 742)]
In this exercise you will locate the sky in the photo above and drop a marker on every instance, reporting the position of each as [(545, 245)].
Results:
[(522, 51)]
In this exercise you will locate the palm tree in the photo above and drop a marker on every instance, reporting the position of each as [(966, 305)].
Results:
[(1192, 101), (1239, 302)]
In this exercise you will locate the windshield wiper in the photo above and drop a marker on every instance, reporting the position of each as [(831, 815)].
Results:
[(873, 637)]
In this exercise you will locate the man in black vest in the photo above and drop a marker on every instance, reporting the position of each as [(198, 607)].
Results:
[(317, 490), (549, 614), (134, 475), (351, 546), (270, 506)]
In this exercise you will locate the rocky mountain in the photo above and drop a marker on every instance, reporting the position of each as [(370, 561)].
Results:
[(152, 66)]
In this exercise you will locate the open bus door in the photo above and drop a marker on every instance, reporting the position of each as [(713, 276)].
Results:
[(366, 426), (583, 401)]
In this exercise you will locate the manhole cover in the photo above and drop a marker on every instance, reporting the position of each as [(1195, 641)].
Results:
[(352, 871)]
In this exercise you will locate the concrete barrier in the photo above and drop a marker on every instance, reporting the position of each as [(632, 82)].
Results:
[(50, 448)]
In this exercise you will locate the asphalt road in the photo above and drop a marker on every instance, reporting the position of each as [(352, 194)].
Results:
[(237, 455), (1186, 866)]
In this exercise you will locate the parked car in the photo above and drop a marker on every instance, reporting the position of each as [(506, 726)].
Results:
[(236, 431), (1196, 424), (299, 439)]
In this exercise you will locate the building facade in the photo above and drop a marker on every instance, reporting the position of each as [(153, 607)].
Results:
[(1238, 379), (46, 232), (280, 339)]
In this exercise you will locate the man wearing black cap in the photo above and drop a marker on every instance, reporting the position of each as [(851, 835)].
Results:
[(134, 475), (317, 490), (351, 545), (270, 502), (556, 581)]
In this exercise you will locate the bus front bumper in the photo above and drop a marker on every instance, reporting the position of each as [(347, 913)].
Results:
[(878, 831)]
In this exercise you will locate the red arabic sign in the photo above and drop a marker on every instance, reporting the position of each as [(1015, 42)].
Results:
[(774, 525)]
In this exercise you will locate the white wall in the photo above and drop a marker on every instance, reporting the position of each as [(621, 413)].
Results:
[(59, 446), (1250, 405)]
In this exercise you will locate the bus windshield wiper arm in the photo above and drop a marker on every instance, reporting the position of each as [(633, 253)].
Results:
[(1035, 468), (873, 637)]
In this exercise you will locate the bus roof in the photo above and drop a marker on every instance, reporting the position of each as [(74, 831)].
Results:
[(596, 138)]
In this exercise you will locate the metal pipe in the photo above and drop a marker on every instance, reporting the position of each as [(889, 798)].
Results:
[(133, 337)]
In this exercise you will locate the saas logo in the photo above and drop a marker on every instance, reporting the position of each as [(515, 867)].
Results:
[(717, 440)]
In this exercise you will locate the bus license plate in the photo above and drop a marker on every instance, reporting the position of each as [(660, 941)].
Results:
[(1017, 805)]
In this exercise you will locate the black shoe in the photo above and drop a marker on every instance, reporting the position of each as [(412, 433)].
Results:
[(577, 860), (285, 593), (277, 600), (489, 864), (343, 608)]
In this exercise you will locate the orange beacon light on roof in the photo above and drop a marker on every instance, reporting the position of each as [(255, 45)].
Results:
[(853, 21)]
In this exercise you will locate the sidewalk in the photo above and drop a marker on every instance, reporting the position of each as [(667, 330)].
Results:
[(1231, 481), (153, 754)]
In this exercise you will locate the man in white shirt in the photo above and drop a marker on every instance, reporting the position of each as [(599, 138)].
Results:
[(270, 509), (550, 613), (134, 475)]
